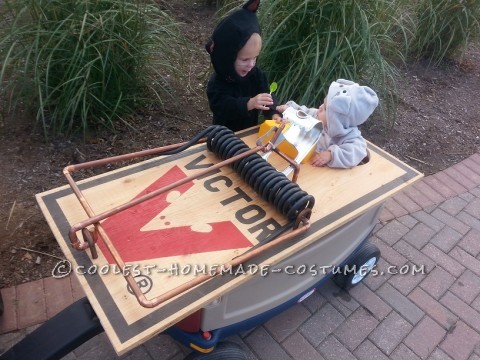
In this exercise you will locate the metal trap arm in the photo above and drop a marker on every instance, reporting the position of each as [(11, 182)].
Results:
[(241, 159), (95, 219)]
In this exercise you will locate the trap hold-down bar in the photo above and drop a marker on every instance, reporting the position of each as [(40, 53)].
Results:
[(273, 186)]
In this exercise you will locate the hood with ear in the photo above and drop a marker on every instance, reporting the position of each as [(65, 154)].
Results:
[(348, 105), (231, 35)]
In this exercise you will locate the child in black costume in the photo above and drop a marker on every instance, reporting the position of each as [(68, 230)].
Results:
[(238, 89)]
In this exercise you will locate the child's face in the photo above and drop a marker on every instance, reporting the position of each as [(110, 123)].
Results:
[(247, 56), (322, 112)]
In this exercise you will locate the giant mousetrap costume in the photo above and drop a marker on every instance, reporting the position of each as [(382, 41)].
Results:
[(191, 213), (203, 239)]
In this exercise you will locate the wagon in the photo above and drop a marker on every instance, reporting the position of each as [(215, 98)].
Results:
[(204, 241)]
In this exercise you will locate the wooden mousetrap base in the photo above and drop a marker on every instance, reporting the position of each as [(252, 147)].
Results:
[(190, 230)]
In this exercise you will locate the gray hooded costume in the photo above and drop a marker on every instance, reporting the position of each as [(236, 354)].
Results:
[(348, 106)]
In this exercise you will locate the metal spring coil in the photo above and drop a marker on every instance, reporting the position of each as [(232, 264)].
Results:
[(273, 186)]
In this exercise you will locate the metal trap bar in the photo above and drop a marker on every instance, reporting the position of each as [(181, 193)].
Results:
[(287, 197)]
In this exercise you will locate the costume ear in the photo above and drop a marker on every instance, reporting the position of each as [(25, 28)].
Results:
[(340, 103), (252, 5), (209, 46)]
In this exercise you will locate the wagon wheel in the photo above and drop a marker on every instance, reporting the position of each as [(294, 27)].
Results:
[(223, 351), (358, 267)]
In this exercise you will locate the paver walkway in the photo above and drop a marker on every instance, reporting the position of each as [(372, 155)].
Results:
[(433, 226)]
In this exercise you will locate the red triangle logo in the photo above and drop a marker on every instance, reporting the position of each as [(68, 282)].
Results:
[(133, 244)]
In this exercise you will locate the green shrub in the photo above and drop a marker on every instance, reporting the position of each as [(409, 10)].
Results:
[(394, 29), (224, 4), (310, 43), (444, 28), (86, 63)]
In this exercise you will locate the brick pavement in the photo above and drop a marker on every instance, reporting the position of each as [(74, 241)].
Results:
[(435, 314)]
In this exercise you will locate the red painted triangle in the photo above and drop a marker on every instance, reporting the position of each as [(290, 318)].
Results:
[(134, 245)]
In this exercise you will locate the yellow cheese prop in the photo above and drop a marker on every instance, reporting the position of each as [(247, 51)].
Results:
[(285, 147)]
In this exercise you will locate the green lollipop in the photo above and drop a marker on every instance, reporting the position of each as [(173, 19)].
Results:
[(273, 87)]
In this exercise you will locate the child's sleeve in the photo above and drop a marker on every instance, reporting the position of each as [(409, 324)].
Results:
[(228, 109), (349, 153), (224, 102)]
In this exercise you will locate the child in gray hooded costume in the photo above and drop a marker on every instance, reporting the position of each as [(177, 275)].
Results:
[(346, 106)]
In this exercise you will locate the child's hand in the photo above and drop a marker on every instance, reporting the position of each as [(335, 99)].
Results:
[(281, 108), (260, 102), (278, 119), (321, 158)]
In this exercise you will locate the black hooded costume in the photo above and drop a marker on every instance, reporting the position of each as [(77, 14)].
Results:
[(227, 92)]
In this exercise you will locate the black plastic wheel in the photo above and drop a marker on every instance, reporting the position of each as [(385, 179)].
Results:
[(358, 267), (223, 351)]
